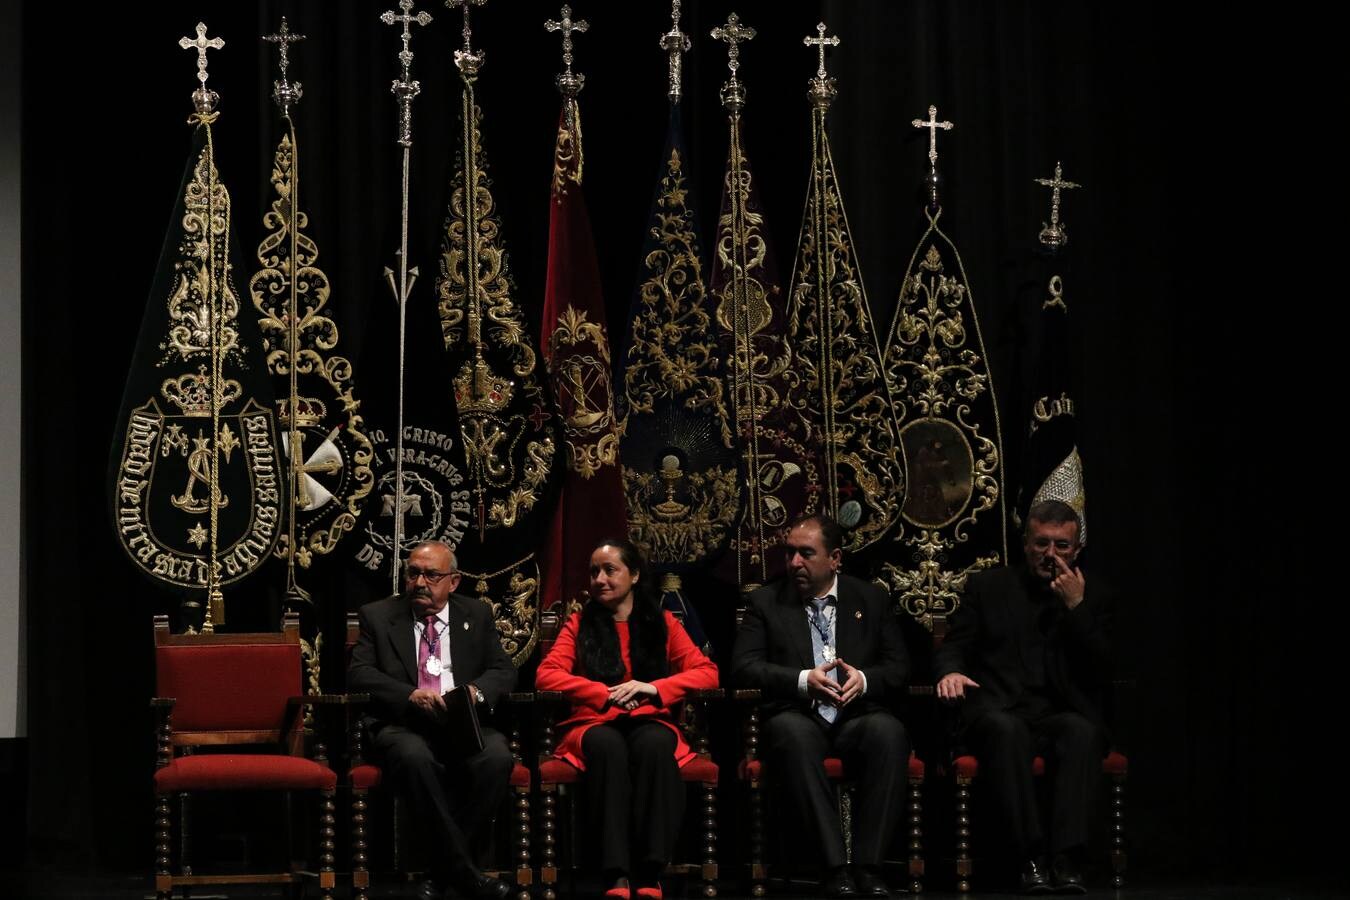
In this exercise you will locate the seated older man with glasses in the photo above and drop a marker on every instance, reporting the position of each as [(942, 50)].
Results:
[(414, 647)]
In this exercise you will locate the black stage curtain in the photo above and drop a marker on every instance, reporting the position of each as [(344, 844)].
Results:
[(1098, 86)]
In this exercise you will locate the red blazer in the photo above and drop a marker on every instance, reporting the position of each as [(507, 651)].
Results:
[(690, 670)]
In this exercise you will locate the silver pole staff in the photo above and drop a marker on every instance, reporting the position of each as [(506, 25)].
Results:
[(404, 89), (204, 100), (284, 94)]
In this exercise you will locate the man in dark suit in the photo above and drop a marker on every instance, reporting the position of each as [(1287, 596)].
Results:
[(1028, 657), (414, 647), (827, 653)]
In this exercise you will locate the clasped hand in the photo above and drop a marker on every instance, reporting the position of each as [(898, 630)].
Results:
[(630, 694), (427, 701), (821, 687)]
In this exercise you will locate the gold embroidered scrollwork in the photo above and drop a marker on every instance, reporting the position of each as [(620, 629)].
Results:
[(835, 349), (567, 155), (512, 593), (330, 432), (951, 516), (672, 355), (680, 476), (585, 396), (763, 359), (928, 588), (504, 413), (310, 654), (206, 222), (677, 517)]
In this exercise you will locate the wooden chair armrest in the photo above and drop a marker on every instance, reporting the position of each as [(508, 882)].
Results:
[(319, 700)]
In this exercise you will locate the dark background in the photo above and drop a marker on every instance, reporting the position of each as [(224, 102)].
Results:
[(1114, 90)]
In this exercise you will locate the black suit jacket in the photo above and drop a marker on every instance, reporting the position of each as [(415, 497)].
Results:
[(986, 642), (384, 660), (773, 644)]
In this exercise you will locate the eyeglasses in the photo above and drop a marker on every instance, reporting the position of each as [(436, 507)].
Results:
[(432, 577)]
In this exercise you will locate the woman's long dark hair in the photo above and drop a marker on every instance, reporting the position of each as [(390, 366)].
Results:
[(599, 638)]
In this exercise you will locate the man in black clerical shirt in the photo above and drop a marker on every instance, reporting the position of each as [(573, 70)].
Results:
[(1027, 657)]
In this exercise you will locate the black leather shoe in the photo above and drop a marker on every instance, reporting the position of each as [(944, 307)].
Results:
[(430, 889), (484, 887), (870, 883), (839, 884), (1034, 880), (1066, 876)]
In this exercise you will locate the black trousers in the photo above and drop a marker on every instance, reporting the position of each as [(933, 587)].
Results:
[(873, 745), (1005, 742), (451, 800), (633, 791)]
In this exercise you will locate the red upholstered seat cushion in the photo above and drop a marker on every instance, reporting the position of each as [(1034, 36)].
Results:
[(365, 777), (1114, 764), (966, 766), (556, 771), (520, 776), (704, 770), (220, 771)]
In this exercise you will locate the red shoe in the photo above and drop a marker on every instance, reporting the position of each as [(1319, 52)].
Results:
[(619, 893), (652, 891)]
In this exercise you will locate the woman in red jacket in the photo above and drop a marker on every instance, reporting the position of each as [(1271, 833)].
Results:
[(624, 662)]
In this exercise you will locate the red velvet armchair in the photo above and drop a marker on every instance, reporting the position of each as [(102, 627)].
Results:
[(242, 694), (965, 768)]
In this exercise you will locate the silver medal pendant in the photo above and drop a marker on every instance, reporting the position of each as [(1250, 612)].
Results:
[(828, 652), (434, 666)]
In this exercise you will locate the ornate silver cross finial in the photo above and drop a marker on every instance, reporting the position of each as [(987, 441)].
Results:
[(568, 82), (674, 42), (284, 93), (733, 32), (932, 125), (820, 43), (201, 44), (405, 88), (467, 60), (203, 98), (389, 17), (1055, 235), (821, 88)]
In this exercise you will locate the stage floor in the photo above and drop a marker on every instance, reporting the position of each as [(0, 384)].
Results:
[(35, 886)]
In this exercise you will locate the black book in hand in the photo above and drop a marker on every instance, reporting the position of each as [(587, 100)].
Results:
[(459, 723)]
